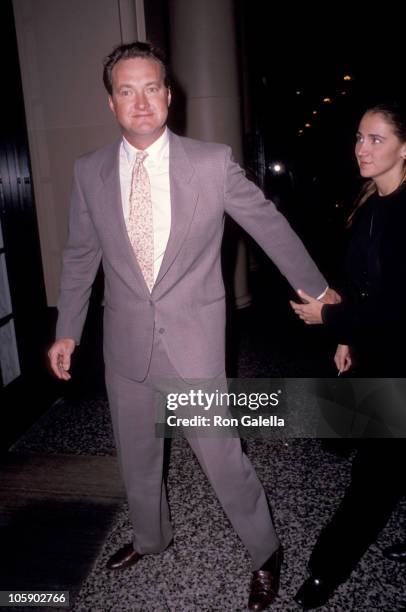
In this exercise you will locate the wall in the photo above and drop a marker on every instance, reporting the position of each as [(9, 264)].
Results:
[(61, 46)]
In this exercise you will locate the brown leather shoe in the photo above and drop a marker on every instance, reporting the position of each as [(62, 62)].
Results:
[(265, 583), (123, 558)]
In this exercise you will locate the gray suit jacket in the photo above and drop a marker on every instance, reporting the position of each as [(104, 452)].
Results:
[(187, 303)]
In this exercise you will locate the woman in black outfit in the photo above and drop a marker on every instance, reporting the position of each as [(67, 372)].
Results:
[(370, 328)]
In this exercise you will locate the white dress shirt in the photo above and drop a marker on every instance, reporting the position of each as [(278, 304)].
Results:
[(157, 166)]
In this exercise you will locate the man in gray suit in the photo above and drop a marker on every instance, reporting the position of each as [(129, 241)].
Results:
[(156, 223)]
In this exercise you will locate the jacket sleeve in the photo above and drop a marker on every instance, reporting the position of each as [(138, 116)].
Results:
[(247, 205), (80, 262)]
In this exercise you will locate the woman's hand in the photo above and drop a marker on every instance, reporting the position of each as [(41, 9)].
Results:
[(310, 312), (342, 358)]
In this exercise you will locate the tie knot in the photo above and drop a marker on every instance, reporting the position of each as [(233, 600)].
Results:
[(140, 157)]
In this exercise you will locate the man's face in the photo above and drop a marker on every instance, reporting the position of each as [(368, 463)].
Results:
[(139, 100)]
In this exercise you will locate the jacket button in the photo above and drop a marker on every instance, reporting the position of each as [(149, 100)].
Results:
[(161, 330), (151, 303)]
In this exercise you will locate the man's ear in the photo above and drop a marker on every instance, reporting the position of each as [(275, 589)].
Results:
[(111, 104), (169, 96)]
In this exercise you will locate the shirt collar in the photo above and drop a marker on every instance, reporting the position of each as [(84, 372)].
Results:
[(156, 152)]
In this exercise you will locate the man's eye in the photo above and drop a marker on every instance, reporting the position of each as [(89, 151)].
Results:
[(152, 89), (125, 92)]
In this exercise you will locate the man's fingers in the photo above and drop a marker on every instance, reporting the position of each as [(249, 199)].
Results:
[(64, 361), (304, 296), (60, 358), (295, 306), (298, 308), (53, 360), (58, 363), (300, 312), (63, 365)]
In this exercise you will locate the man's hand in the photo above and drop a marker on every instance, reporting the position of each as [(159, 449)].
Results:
[(330, 297), (342, 358), (310, 312), (59, 357)]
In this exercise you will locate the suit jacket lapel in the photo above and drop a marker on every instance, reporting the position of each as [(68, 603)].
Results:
[(184, 196)]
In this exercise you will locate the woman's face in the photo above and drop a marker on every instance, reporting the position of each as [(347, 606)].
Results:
[(379, 152)]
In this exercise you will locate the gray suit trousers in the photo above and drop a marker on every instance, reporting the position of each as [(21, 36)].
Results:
[(140, 454)]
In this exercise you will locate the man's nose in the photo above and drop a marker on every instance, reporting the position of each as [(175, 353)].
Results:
[(141, 100)]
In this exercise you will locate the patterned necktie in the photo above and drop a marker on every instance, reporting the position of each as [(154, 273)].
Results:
[(139, 224)]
